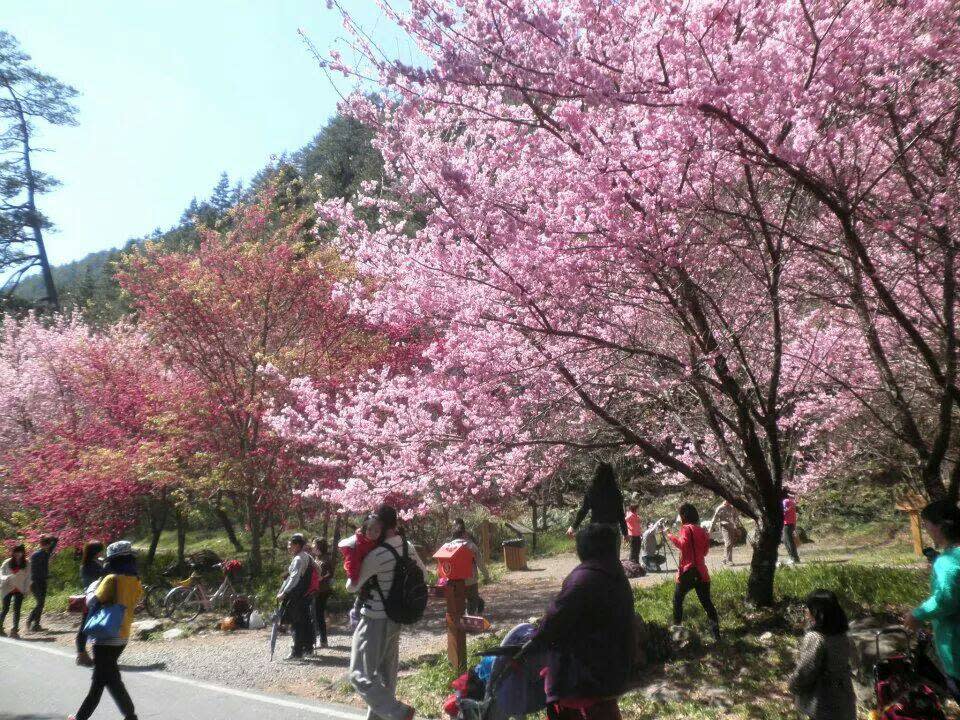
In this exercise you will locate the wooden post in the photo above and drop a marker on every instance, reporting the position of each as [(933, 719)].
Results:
[(917, 532), (912, 504), (533, 534), (456, 595)]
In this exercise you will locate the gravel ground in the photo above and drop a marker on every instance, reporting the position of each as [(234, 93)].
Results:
[(241, 659)]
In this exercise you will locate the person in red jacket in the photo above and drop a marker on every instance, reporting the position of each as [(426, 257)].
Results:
[(692, 574)]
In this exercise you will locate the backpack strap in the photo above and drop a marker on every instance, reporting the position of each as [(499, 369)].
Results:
[(396, 557)]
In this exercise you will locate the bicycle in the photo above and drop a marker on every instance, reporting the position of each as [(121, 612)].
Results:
[(188, 598), (153, 599)]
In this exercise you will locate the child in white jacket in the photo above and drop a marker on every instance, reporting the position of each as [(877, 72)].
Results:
[(14, 583)]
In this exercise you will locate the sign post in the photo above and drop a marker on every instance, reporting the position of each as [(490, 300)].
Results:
[(455, 593), (912, 504)]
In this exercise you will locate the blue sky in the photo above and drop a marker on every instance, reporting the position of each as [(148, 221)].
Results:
[(172, 93)]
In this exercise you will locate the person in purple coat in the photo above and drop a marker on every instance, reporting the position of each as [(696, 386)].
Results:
[(588, 632)]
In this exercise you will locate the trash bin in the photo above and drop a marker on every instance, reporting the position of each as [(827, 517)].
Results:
[(515, 554)]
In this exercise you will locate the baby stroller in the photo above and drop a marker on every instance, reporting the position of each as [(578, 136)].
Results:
[(902, 682), (498, 688)]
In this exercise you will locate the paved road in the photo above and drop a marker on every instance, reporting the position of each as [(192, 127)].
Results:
[(38, 682)]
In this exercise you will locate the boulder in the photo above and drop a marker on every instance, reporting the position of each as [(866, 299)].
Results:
[(863, 638), (717, 697), (173, 634), (141, 629), (664, 692)]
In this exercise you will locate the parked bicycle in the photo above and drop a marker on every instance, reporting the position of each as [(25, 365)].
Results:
[(154, 598), (190, 597)]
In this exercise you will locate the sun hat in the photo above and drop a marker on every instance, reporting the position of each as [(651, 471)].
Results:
[(121, 547)]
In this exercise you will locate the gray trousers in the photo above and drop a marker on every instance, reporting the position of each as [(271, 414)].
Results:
[(727, 531), (374, 663), (789, 539)]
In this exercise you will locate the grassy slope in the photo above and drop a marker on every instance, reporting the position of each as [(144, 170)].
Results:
[(748, 671)]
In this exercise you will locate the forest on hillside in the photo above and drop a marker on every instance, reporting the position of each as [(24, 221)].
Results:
[(333, 164)]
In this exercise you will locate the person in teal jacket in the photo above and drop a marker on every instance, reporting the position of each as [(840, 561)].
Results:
[(941, 519)]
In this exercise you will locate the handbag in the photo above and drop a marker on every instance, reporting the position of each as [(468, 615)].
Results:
[(105, 623)]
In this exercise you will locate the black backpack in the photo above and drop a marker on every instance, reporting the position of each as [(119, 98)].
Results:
[(408, 596)]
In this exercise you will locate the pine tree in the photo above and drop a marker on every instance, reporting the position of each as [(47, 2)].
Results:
[(26, 96)]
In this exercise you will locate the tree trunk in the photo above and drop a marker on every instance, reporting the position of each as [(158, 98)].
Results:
[(158, 521), (337, 529), (763, 564), (533, 537), (181, 538), (228, 526), (326, 520), (256, 532), (33, 217)]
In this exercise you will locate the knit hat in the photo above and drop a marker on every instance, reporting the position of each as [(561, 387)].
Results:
[(121, 547)]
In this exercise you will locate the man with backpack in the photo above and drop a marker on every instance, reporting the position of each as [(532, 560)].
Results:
[(393, 593), (295, 597)]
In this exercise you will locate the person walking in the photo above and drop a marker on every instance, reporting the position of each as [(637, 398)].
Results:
[(14, 582), (941, 520), (475, 603), (728, 520), (587, 633), (821, 683), (294, 597), (789, 538), (91, 570), (634, 530), (692, 574), (653, 545), (39, 575), (603, 501), (119, 586), (324, 566), (375, 654)]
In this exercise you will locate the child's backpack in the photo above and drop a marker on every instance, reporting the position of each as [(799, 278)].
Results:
[(408, 596), (632, 569)]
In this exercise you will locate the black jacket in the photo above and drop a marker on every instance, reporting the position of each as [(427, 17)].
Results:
[(605, 505), (40, 564), (588, 631)]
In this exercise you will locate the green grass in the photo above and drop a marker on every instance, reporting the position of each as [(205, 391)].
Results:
[(551, 543), (749, 672), (212, 539)]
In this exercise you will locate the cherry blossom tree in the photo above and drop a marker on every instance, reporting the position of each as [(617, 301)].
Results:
[(87, 425), (249, 307), (630, 208)]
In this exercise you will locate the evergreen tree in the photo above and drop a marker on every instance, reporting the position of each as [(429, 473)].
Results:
[(26, 97)]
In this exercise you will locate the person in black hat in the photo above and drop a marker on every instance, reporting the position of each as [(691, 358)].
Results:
[(294, 595)]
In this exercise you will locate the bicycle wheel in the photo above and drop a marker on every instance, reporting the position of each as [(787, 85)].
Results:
[(153, 600), (174, 603), (188, 607)]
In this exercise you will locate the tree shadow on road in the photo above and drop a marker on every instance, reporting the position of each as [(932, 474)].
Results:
[(326, 661), (142, 668)]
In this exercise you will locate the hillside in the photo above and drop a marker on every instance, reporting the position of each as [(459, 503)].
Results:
[(333, 164)]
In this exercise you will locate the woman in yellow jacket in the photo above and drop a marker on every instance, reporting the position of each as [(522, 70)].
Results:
[(120, 585)]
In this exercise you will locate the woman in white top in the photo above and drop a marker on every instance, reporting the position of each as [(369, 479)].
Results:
[(14, 583)]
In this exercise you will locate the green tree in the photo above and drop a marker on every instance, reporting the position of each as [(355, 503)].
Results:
[(341, 157), (26, 97)]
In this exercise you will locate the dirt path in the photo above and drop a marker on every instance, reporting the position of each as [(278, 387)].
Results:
[(241, 659)]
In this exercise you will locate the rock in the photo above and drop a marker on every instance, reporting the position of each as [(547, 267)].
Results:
[(663, 692), (141, 629), (173, 634), (717, 697), (766, 638), (863, 638)]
